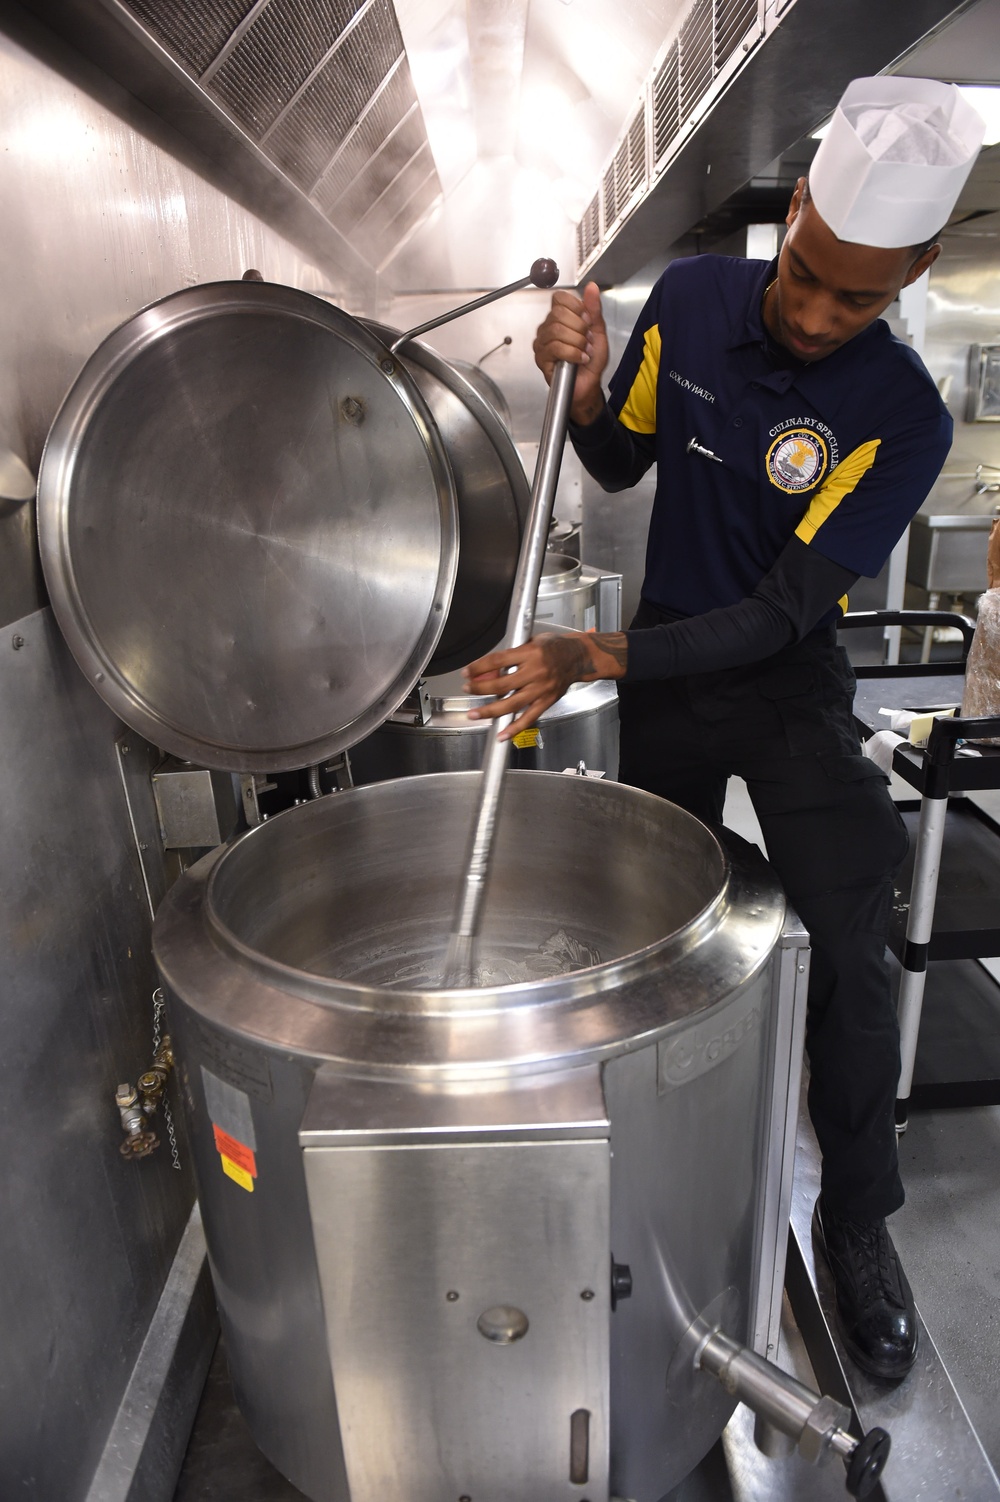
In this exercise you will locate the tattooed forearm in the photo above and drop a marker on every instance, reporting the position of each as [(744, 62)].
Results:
[(615, 643), (570, 658)]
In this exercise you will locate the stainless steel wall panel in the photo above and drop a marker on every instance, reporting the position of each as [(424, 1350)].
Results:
[(162, 97), (87, 1236), (615, 526), (98, 222)]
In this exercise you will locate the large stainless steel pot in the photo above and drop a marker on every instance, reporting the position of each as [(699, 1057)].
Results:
[(577, 597), (565, 537), (582, 726), (413, 1197), (431, 731)]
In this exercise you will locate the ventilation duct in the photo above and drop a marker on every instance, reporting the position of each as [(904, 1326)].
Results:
[(323, 88), (739, 82), (304, 110), (712, 35)]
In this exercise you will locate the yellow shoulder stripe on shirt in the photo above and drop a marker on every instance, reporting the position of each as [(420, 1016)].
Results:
[(639, 411), (845, 478)]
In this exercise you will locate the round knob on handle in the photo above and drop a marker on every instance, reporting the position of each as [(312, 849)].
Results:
[(544, 273)]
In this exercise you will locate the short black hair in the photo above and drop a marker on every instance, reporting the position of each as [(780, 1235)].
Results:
[(917, 250)]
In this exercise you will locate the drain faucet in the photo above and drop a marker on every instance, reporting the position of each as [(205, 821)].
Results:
[(816, 1424)]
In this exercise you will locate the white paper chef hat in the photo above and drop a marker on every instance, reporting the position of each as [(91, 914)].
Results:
[(891, 166)]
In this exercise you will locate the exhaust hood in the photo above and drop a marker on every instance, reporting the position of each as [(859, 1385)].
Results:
[(494, 149)]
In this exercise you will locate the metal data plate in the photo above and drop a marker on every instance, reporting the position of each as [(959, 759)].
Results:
[(248, 526)]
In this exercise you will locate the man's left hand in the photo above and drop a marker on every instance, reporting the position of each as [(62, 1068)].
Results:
[(531, 678)]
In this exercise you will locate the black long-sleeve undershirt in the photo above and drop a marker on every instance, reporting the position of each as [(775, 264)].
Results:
[(613, 454), (790, 600)]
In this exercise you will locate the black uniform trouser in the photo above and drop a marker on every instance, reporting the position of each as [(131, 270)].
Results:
[(835, 840)]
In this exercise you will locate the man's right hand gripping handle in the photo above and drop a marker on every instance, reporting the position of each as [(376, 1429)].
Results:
[(574, 330)]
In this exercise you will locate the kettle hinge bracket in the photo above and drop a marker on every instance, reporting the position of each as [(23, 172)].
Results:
[(415, 708)]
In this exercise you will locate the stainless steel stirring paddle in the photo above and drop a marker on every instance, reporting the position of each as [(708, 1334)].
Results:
[(458, 966)]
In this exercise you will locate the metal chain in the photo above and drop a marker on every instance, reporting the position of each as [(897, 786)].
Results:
[(159, 1005)]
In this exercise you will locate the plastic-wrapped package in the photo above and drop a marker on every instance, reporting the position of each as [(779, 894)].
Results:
[(982, 671)]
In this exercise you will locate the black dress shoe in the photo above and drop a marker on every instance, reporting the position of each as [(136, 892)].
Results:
[(875, 1311)]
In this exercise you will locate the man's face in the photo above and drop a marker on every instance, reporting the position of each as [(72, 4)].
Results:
[(828, 290)]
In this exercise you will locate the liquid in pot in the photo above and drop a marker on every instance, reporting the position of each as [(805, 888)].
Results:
[(421, 966), (360, 887)]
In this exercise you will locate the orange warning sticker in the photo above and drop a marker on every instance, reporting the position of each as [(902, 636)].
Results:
[(236, 1152), (237, 1174)]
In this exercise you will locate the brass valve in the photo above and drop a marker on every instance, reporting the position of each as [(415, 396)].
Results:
[(137, 1103), (152, 1084)]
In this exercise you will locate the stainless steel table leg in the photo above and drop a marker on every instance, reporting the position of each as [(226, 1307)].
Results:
[(923, 891)]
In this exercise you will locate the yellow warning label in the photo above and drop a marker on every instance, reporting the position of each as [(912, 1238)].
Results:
[(236, 1173), (527, 738)]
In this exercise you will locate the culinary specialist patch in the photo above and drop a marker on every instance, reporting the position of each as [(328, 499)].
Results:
[(797, 460)]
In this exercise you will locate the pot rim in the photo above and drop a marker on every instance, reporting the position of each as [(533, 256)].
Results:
[(572, 986)]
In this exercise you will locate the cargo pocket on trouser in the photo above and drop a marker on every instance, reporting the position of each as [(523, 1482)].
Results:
[(828, 821), (813, 703), (868, 798)]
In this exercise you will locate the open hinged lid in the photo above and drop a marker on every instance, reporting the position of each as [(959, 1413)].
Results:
[(248, 526), (493, 498)]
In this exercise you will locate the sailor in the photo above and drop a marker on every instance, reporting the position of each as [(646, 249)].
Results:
[(794, 438)]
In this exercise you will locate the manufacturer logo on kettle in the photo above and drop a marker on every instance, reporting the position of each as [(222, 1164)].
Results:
[(708, 1043)]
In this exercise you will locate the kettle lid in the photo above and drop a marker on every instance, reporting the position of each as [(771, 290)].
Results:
[(248, 526)]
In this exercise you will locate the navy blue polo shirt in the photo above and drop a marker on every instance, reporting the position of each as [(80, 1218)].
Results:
[(753, 447)]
